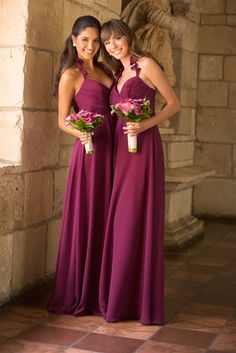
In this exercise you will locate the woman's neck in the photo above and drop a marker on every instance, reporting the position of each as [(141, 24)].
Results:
[(126, 61), (88, 64)]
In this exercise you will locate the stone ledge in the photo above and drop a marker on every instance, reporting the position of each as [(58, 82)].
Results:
[(187, 174), (5, 164), (179, 164), (177, 138), (166, 131)]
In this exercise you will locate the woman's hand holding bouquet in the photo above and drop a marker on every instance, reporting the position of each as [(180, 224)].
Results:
[(132, 110), (85, 122)]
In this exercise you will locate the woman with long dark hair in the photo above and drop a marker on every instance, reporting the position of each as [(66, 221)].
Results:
[(84, 83), (131, 285)]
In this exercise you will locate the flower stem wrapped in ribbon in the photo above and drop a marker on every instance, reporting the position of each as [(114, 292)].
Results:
[(85, 121), (133, 110)]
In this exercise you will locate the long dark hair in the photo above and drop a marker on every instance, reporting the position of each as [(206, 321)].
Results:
[(68, 55), (119, 28)]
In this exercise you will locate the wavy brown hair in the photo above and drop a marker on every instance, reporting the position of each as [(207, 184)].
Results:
[(68, 55), (119, 28)]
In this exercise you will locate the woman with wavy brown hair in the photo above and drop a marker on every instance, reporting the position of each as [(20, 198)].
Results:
[(131, 285)]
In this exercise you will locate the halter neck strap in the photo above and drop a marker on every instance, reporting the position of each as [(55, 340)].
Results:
[(80, 65), (134, 64)]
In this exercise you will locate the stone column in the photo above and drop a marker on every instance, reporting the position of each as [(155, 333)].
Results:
[(181, 172), (216, 115)]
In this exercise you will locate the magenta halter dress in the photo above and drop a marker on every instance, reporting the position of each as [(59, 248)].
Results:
[(131, 285), (85, 211)]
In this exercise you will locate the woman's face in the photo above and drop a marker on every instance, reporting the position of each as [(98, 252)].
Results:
[(117, 46), (87, 43)]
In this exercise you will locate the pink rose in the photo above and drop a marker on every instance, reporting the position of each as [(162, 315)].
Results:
[(126, 106)]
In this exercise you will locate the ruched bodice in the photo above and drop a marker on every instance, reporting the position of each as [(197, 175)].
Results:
[(93, 96)]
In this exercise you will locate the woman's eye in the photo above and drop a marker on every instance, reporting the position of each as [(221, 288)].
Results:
[(106, 43)]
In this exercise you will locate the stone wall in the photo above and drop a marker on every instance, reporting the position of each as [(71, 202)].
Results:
[(216, 108), (34, 155)]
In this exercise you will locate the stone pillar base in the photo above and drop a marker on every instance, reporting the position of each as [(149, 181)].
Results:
[(183, 232)]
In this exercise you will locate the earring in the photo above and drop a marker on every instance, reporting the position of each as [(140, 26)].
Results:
[(74, 45)]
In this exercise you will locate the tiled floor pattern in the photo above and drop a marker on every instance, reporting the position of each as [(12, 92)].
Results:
[(200, 310)]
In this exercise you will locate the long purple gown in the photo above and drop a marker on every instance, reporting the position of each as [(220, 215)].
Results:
[(85, 211), (131, 285)]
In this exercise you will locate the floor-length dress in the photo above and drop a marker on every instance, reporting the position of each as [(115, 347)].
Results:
[(85, 211), (131, 284)]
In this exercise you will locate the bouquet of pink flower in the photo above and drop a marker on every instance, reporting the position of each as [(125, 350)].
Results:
[(85, 121), (133, 110)]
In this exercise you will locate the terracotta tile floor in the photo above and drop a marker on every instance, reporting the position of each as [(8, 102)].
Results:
[(200, 310)]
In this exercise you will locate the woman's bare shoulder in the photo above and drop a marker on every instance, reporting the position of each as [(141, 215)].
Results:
[(71, 73), (146, 62)]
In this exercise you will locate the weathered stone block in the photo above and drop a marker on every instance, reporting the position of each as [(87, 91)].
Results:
[(230, 68), (232, 95), (38, 79), (6, 246), (185, 123), (234, 154), (231, 7), (231, 20), (213, 19), (215, 197), (41, 140), (180, 151), (177, 58), (234, 171), (66, 139), (80, 9), (47, 33), (52, 239), (217, 40), (11, 202), (38, 196), (106, 14), (189, 39), (178, 205), (215, 156), (60, 177), (211, 67), (28, 257), (216, 125), (114, 6), (11, 131), (9, 23), (189, 69), (12, 76), (213, 94), (54, 98), (188, 97), (211, 7), (65, 155)]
